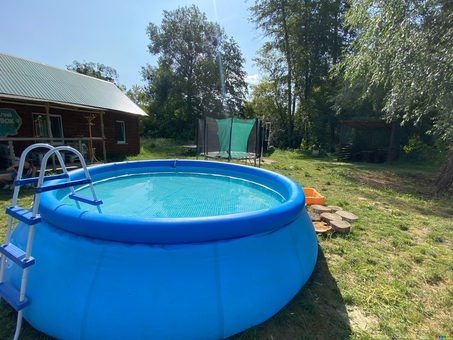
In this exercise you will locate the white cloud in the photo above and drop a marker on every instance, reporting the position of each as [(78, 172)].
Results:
[(253, 79)]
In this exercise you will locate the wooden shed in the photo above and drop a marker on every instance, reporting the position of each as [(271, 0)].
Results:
[(46, 104), (371, 141)]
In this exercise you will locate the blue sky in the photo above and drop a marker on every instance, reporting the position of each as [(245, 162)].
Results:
[(111, 32)]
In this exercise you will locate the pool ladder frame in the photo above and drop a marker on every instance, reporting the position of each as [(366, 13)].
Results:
[(16, 298)]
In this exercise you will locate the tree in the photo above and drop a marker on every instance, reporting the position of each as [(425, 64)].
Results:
[(166, 103), (199, 72), (305, 40), (273, 17), (138, 96), (268, 102), (402, 60), (96, 70), (322, 39)]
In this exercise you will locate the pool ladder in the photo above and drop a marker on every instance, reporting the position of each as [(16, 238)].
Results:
[(16, 298)]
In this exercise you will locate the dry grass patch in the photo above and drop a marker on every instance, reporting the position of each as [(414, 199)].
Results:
[(365, 323)]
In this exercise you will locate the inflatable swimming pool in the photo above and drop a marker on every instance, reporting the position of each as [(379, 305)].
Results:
[(120, 274)]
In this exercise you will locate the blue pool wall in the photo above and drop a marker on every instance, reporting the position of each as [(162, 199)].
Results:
[(83, 288)]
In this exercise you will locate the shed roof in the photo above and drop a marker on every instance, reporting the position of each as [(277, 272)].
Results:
[(24, 79), (368, 124)]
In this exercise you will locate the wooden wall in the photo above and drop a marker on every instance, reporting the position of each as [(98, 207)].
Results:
[(75, 125)]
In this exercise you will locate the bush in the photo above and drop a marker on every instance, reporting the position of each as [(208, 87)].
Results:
[(417, 150)]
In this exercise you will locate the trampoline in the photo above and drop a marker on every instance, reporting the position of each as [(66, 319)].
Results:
[(230, 138)]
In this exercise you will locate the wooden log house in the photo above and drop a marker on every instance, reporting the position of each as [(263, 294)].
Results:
[(45, 104)]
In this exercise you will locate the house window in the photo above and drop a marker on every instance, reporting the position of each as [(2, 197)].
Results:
[(120, 132), (56, 125)]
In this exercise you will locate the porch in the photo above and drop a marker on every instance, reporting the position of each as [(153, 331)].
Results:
[(9, 155)]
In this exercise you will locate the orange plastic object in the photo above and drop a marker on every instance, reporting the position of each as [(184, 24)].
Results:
[(313, 197)]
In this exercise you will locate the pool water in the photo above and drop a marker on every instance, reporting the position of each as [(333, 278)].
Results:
[(179, 195)]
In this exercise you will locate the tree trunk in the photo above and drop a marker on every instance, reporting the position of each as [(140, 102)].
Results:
[(289, 77), (189, 113), (444, 182), (332, 137)]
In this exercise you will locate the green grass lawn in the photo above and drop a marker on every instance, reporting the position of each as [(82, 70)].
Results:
[(390, 278)]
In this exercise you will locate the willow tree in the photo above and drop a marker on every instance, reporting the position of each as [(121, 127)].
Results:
[(402, 62)]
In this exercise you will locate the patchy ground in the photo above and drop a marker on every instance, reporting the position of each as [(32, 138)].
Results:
[(359, 320), (419, 184)]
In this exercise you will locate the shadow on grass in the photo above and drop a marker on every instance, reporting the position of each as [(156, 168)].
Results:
[(403, 183), (9, 318), (268, 152), (318, 311)]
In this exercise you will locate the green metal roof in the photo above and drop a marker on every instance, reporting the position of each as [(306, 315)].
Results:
[(24, 79)]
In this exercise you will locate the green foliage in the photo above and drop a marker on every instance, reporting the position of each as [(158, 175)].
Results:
[(96, 70), (138, 96), (274, 18), (159, 148), (268, 102), (248, 111), (415, 149), (305, 40), (401, 59), (418, 150), (199, 73), (401, 62)]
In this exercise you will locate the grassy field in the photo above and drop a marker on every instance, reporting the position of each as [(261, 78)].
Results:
[(390, 278)]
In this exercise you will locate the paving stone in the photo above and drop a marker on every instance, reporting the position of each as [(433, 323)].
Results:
[(319, 209), (328, 216), (314, 216), (321, 227), (347, 216), (340, 226)]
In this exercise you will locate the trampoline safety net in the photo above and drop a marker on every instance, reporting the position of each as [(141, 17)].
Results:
[(230, 138)]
